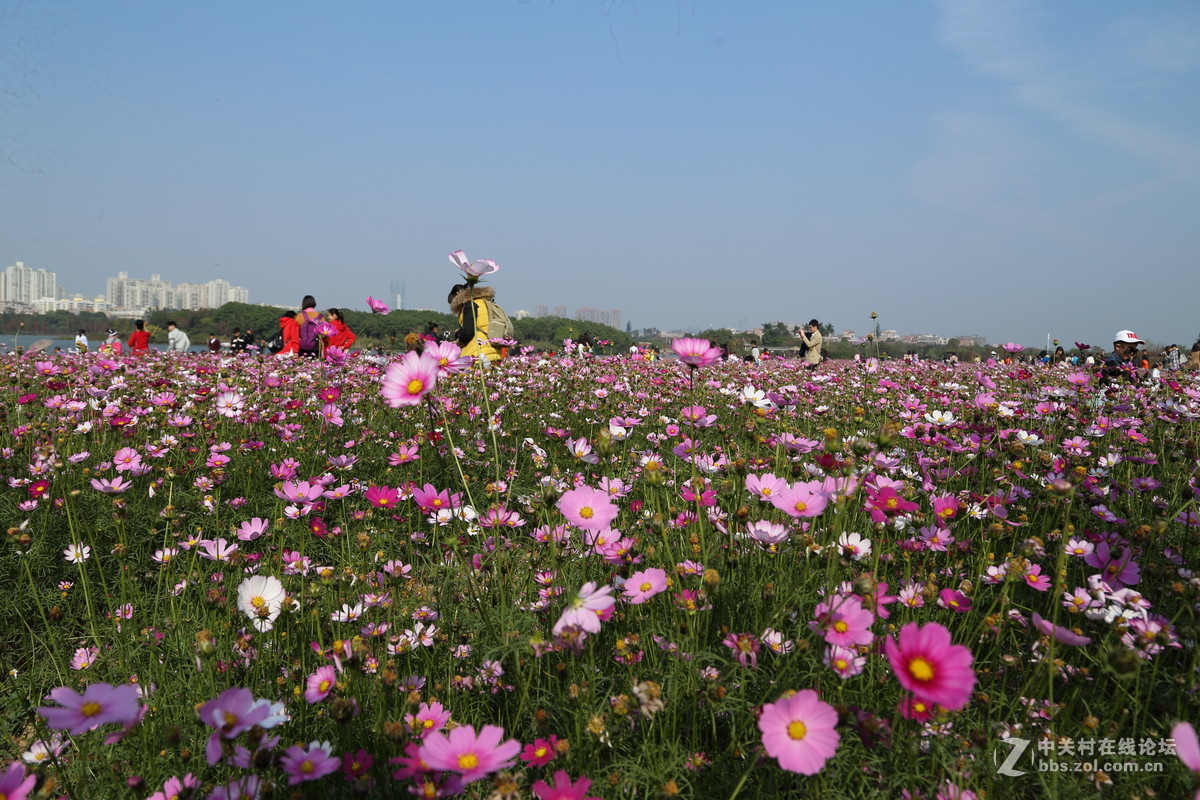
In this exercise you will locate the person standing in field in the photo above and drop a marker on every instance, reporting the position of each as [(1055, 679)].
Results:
[(812, 341), (177, 340), (468, 304), (81, 341), (139, 340)]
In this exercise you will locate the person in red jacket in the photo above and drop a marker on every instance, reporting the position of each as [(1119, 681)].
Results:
[(291, 333), (139, 340), (344, 338)]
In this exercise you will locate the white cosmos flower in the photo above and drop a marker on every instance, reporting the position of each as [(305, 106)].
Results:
[(260, 598), (939, 417), (1031, 439), (230, 404), (77, 553)]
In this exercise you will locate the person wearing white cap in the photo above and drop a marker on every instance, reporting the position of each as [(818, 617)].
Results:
[(1122, 363)]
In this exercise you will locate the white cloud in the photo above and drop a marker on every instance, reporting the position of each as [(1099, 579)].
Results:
[(1000, 40)]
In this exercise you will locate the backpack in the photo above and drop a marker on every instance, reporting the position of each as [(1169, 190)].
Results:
[(275, 343), (308, 334), (499, 325)]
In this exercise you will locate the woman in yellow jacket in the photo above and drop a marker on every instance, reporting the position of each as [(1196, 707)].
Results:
[(467, 303)]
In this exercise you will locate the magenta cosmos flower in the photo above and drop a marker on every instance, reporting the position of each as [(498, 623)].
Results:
[(930, 666), (472, 756), (843, 621), (588, 508), (309, 763), (99, 704), (696, 352), (14, 783), (644, 584), (562, 789), (377, 306), (1058, 633), (408, 380), (799, 732)]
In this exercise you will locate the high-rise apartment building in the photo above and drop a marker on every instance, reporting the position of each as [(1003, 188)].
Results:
[(21, 284)]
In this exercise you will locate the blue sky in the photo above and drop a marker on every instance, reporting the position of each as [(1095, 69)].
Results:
[(1003, 168)]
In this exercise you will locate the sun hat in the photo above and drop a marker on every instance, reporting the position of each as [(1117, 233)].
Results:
[(1127, 336)]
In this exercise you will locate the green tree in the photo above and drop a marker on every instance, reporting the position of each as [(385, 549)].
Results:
[(776, 334)]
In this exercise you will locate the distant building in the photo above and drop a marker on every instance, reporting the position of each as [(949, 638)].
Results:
[(74, 304), (540, 310), (136, 294), (24, 286), (611, 317)]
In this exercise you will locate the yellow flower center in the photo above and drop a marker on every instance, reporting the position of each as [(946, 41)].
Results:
[(324, 686), (920, 669), (428, 723), (90, 709), (257, 601), (415, 386), (801, 505), (840, 626), (797, 730), (540, 752), (307, 766), (840, 663), (645, 587), (586, 512), (468, 761)]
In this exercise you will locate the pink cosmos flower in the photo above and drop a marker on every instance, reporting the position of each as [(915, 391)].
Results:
[(800, 732), (644, 584), (767, 533), (232, 713), (800, 500), (585, 610), (764, 486), (320, 684), (843, 621), (746, 647), (408, 380), (1059, 633), (588, 508), (430, 718), (930, 666), (309, 763), (14, 783), (449, 356), (377, 306), (100, 704), (844, 661), (1187, 747), (473, 269), (176, 787), (562, 789), (472, 756), (114, 486), (428, 498), (252, 528), (696, 352)]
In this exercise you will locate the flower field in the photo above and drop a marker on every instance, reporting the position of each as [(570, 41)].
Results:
[(604, 577)]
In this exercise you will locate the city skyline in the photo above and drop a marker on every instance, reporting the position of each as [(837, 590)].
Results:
[(39, 290)]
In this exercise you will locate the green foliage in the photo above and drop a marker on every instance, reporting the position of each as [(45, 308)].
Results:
[(776, 334)]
